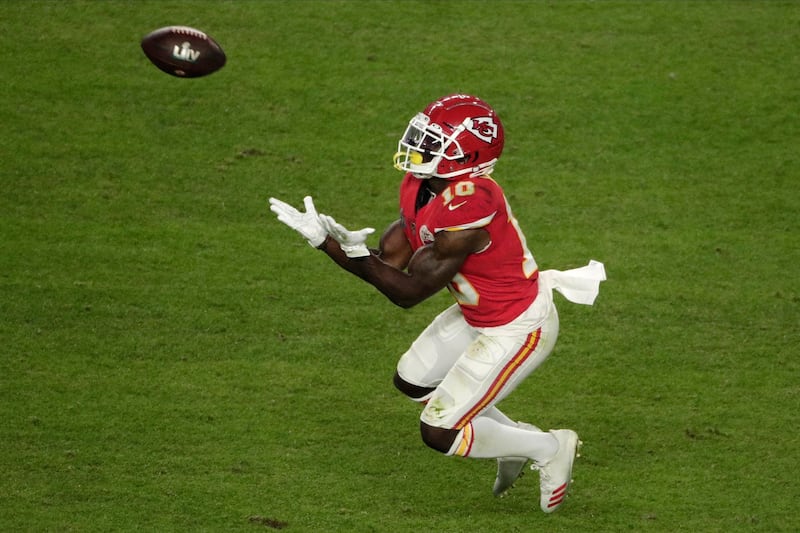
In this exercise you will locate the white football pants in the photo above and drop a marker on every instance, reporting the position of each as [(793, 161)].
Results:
[(472, 370)]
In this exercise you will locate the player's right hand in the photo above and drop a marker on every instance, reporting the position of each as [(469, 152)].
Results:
[(306, 224), (353, 243)]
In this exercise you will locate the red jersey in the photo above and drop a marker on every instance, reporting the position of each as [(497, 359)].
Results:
[(495, 285)]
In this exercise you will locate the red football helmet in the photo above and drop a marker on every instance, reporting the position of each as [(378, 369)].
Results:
[(455, 135)]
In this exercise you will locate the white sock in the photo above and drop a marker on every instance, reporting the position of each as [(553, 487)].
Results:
[(485, 438), (498, 416)]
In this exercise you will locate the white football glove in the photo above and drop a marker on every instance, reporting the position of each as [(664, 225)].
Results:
[(353, 243), (306, 224)]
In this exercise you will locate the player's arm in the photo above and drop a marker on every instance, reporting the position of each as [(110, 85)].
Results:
[(429, 269), (395, 249)]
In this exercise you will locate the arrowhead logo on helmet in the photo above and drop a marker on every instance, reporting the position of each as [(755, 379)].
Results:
[(484, 128)]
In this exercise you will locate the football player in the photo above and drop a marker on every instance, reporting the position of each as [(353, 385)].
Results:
[(456, 230)]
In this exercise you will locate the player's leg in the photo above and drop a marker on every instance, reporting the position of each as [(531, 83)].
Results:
[(459, 412), (489, 370), (426, 363), (432, 354)]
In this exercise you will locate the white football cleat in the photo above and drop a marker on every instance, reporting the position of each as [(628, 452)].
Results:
[(556, 474), (509, 470)]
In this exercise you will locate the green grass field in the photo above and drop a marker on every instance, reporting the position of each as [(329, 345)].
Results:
[(175, 359)]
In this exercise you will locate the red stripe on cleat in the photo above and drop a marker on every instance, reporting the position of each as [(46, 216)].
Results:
[(555, 503)]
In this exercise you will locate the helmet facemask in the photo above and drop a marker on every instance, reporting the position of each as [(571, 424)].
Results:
[(423, 146)]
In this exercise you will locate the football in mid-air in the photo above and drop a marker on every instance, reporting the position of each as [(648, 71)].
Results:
[(183, 51)]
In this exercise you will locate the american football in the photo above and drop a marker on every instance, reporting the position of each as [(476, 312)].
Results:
[(183, 52)]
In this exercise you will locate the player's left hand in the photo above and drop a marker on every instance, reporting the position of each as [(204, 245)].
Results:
[(306, 224), (353, 243)]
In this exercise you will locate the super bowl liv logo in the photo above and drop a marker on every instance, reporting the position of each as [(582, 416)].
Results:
[(184, 52)]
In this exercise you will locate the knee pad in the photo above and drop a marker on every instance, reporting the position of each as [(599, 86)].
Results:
[(415, 392), (440, 439)]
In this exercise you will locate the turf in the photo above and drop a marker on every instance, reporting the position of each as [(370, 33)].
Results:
[(174, 359)]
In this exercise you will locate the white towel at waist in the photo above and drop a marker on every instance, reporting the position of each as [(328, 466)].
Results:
[(578, 285)]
